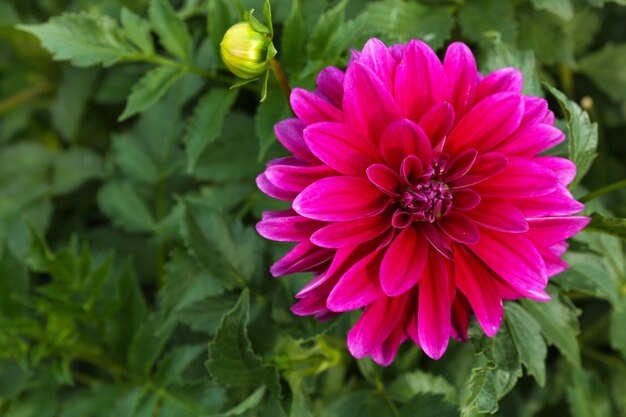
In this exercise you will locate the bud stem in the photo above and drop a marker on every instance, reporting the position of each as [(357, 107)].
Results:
[(281, 77)]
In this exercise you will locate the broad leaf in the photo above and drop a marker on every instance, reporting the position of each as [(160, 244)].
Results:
[(172, 31), (150, 89), (526, 333)]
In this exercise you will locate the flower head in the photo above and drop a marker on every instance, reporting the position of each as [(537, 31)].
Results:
[(244, 50), (418, 195)]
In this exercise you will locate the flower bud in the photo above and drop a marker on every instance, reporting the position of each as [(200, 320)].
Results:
[(244, 50)]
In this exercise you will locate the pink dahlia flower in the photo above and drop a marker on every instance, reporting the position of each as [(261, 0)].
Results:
[(418, 195)]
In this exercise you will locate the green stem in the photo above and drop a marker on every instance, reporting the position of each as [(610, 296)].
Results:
[(602, 191), (281, 78), (21, 97)]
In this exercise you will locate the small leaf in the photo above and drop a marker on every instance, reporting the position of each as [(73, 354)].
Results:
[(582, 135), (531, 347), (206, 122), (149, 89), (148, 344), (171, 29), (293, 38), (73, 168), (83, 39), (138, 31), (606, 68), (326, 26), (231, 359), (120, 201), (561, 8), (479, 17), (218, 20), (558, 320)]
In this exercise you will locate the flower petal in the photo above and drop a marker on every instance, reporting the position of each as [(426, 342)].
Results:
[(270, 189), (459, 228), (437, 122), (486, 124), (296, 178), (497, 214), (549, 231), (484, 167), (434, 317), (288, 228), (420, 81), (522, 178), (358, 287), (330, 84), (460, 67), (504, 80), (465, 199), (404, 262), (513, 257), (558, 203), (404, 138), (289, 134), (368, 106), (339, 199), (313, 109), (303, 257), (479, 287), (563, 168), (384, 178), (341, 147), (377, 57), (352, 232)]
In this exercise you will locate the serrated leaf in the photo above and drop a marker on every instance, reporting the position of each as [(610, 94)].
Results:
[(606, 68), (138, 30), (171, 29), (76, 88), (428, 405), (397, 21), (293, 38), (526, 333), (480, 17), (231, 359), (171, 368), (226, 250), (149, 89), (83, 39), (559, 324), (206, 122), (561, 8), (588, 274), (250, 403), (148, 344), (120, 201), (270, 112), (582, 135), (133, 159), (219, 20), (481, 394), (408, 385)]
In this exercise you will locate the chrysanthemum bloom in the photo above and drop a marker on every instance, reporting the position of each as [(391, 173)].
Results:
[(417, 194)]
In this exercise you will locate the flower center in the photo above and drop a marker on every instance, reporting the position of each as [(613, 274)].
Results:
[(427, 200)]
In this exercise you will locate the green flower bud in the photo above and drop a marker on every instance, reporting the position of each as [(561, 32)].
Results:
[(244, 50)]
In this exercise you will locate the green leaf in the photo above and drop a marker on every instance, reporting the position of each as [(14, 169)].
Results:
[(481, 392), (560, 8), (535, 27), (231, 359), (120, 201), (361, 403), (397, 21), (528, 341), (250, 403), (206, 123), (408, 385), (588, 274), (148, 344), (83, 39), (138, 31), (586, 395), (501, 55), (149, 89), (73, 168), (326, 27), (582, 135), (270, 112), (583, 29), (227, 251), (267, 15), (617, 330), (606, 68), (559, 323), (171, 368), (428, 405), (219, 20), (480, 17), (293, 38), (77, 86), (14, 285), (171, 29), (133, 159)]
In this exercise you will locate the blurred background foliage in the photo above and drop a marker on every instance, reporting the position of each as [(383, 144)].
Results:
[(132, 282)]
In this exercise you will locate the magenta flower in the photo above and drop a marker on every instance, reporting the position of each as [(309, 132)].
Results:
[(418, 195)]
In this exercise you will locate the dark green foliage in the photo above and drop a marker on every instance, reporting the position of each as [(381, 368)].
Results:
[(133, 283)]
